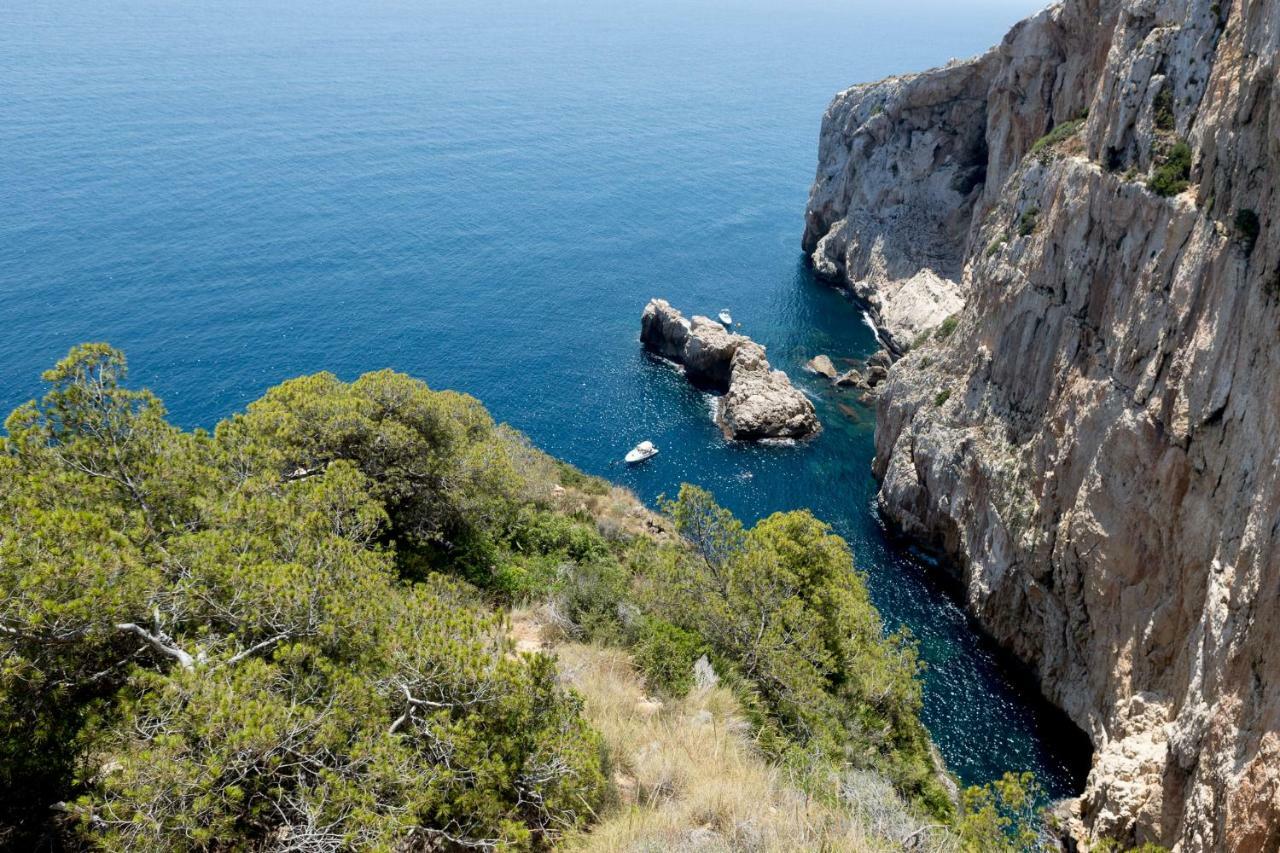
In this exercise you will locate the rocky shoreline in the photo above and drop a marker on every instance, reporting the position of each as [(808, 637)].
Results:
[(759, 403)]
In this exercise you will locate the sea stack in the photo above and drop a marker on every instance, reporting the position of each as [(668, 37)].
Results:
[(759, 402)]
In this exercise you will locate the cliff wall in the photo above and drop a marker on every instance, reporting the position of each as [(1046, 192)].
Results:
[(1095, 437)]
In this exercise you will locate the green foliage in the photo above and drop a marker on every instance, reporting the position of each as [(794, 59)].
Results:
[(1248, 228), (1027, 221), (1003, 817), (783, 605), (666, 655), (217, 640), (996, 246), (1162, 109), (942, 397), (207, 644), (571, 477), (947, 327), (1173, 171), (1060, 133)]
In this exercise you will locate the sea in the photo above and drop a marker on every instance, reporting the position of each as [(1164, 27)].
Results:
[(485, 195)]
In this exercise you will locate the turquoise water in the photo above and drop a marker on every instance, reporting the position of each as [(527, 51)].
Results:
[(483, 195)]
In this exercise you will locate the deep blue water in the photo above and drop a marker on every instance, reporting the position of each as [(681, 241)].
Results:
[(483, 195)]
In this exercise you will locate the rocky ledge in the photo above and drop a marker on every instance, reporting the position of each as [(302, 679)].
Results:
[(759, 402)]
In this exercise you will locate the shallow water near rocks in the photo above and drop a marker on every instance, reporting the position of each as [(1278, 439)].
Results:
[(483, 195)]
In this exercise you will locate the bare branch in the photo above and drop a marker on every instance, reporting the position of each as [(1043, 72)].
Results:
[(256, 647), (185, 660)]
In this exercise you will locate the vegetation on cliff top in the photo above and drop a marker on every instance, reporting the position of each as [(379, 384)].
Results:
[(289, 633)]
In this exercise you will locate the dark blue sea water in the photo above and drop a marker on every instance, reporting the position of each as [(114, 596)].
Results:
[(483, 194)]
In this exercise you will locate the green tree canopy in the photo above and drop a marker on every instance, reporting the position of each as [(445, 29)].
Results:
[(207, 644)]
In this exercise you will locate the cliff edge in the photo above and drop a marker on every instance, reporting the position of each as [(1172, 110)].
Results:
[(1094, 437)]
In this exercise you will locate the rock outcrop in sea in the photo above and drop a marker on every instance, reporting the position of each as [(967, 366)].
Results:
[(758, 402), (1094, 438)]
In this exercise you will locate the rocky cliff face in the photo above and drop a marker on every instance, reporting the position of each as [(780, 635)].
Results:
[(1095, 439)]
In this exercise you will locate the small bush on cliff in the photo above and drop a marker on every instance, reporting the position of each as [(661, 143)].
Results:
[(1060, 133), (947, 327), (1027, 222), (1248, 228), (1162, 109), (1172, 172)]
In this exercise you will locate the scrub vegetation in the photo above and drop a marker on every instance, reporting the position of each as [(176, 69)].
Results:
[(293, 632)]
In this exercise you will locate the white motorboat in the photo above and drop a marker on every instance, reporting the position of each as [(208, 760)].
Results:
[(726, 317), (642, 451)]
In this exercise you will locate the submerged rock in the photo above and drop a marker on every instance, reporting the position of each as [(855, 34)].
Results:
[(759, 402)]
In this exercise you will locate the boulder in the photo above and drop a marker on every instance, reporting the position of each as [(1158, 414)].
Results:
[(762, 403), (850, 379), (708, 353), (821, 365), (880, 358)]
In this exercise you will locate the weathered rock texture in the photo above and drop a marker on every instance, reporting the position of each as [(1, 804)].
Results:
[(1097, 443), (759, 402)]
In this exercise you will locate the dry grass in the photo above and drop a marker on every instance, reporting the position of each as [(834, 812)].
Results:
[(686, 776)]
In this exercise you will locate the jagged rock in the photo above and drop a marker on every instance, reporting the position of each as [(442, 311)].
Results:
[(759, 403), (762, 403), (875, 375), (880, 358), (821, 365), (850, 379), (1104, 474), (664, 330), (708, 352)]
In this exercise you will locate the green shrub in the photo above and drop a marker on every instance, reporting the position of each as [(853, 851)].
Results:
[(942, 397), (666, 655), (1172, 172), (1248, 227), (1004, 816), (947, 327), (996, 246), (1060, 133), (217, 631), (1162, 109), (1027, 221), (571, 477), (782, 605)]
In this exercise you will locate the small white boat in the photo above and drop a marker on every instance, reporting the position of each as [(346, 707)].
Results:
[(641, 452), (725, 317)]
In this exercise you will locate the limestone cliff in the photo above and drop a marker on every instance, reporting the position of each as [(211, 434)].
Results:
[(1095, 439)]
